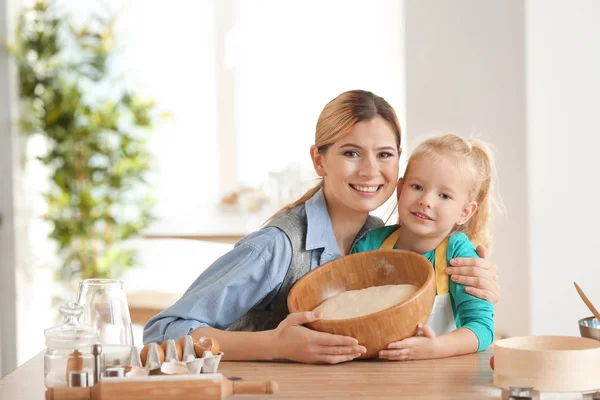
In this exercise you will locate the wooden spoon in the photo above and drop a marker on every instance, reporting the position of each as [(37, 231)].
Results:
[(587, 302)]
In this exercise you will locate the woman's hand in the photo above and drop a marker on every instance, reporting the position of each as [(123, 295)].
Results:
[(295, 342), (421, 347), (478, 275)]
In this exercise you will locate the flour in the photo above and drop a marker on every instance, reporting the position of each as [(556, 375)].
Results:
[(356, 303)]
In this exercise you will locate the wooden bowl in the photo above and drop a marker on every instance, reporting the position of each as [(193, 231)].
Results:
[(362, 270), (548, 363)]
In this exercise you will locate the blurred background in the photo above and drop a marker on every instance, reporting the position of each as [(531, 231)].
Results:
[(227, 95)]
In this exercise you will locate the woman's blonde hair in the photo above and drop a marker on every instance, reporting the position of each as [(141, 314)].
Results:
[(337, 120), (475, 159)]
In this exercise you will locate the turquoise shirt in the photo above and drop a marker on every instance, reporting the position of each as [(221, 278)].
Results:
[(470, 312)]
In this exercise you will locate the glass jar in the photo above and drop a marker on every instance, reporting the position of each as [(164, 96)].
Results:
[(68, 347)]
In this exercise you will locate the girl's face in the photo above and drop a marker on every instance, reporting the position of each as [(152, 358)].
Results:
[(433, 197), (360, 171)]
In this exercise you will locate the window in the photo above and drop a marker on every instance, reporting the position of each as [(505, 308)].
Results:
[(293, 57)]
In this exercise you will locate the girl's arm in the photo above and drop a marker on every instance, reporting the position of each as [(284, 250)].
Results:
[(426, 345), (472, 313), (458, 342)]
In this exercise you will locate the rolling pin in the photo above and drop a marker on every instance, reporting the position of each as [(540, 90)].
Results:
[(181, 387)]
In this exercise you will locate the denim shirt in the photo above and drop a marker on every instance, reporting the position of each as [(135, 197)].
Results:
[(254, 270)]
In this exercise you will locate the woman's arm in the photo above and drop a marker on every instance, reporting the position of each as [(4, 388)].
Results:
[(289, 341), (232, 286), (479, 275), (225, 291)]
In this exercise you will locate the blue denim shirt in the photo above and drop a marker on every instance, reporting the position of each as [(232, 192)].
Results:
[(243, 277)]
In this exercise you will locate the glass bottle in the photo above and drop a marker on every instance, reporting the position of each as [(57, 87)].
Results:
[(107, 311), (68, 347)]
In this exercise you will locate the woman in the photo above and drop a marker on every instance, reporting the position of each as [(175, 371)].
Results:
[(241, 298)]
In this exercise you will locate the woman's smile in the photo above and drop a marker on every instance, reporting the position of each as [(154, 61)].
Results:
[(366, 190)]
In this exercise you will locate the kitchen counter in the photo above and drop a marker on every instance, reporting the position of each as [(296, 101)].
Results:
[(464, 377)]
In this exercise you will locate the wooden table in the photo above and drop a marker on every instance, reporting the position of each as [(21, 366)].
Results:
[(465, 377)]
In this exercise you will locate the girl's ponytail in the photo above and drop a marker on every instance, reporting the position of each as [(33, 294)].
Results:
[(479, 228)]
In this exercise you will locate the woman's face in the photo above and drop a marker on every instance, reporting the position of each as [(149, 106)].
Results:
[(360, 171)]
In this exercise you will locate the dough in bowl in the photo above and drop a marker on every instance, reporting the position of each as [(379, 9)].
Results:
[(356, 303)]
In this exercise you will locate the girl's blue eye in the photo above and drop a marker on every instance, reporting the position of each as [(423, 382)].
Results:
[(416, 187), (445, 196), (351, 153)]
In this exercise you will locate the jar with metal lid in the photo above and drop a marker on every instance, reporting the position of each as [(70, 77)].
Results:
[(68, 348)]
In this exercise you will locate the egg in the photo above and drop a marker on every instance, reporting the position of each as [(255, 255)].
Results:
[(181, 341), (137, 371), (173, 368), (206, 343), (146, 349), (187, 346), (178, 349)]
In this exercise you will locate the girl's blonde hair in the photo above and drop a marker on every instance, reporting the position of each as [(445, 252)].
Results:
[(337, 120), (475, 159)]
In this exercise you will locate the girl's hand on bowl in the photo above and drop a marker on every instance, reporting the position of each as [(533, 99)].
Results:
[(478, 275), (420, 347), (292, 341)]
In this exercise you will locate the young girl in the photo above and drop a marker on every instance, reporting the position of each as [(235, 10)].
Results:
[(443, 200)]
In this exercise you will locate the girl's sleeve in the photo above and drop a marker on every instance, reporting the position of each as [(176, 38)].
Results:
[(361, 245), (228, 289), (373, 239), (473, 313)]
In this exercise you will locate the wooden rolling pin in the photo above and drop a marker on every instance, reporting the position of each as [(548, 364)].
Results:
[(182, 387)]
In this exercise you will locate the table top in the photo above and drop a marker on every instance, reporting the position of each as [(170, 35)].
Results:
[(464, 377)]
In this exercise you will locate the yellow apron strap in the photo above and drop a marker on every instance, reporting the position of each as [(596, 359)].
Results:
[(391, 240), (441, 277)]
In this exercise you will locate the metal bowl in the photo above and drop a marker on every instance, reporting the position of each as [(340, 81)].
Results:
[(589, 328)]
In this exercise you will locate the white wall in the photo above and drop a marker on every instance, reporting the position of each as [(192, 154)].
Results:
[(465, 74), (563, 106), (524, 76)]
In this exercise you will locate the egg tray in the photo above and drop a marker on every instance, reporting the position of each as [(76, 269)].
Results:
[(188, 363)]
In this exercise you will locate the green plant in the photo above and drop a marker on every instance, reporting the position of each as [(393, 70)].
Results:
[(97, 151)]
